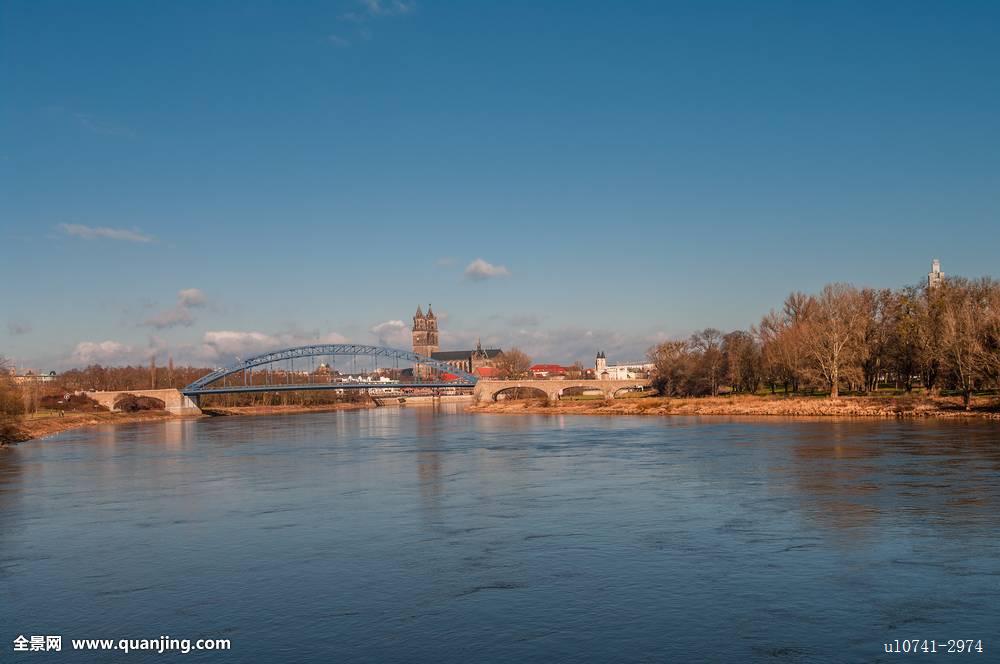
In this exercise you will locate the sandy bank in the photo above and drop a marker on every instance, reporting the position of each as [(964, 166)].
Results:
[(285, 410), (50, 425), (43, 427), (894, 407)]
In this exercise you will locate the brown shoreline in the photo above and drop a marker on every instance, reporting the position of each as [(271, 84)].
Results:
[(283, 410), (44, 427), (800, 407), (753, 406)]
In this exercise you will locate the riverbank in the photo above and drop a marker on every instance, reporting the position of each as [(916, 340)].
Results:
[(756, 406), (284, 410), (38, 427), (47, 425), (894, 407)]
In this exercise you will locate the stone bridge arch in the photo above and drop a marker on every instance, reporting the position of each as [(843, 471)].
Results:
[(487, 390)]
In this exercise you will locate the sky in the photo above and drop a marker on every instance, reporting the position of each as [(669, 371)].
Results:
[(206, 179)]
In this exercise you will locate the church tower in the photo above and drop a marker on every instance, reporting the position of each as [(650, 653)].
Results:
[(432, 331), (601, 366), (425, 332)]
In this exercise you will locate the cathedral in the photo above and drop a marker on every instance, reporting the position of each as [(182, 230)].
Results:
[(425, 332), (425, 342)]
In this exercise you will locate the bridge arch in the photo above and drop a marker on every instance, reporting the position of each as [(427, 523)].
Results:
[(464, 379), (521, 392), (582, 390), (625, 389), (487, 389)]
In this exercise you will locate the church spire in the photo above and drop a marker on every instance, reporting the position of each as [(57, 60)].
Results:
[(419, 314)]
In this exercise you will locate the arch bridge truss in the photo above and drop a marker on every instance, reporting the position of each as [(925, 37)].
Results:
[(244, 368)]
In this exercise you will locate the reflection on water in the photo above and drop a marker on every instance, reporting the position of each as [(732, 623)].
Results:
[(430, 535)]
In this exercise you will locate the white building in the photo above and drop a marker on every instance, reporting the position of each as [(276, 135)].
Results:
[(630, 371), (30, 376), (935, 277)]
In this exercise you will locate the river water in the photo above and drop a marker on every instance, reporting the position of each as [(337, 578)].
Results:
[(417, 535)]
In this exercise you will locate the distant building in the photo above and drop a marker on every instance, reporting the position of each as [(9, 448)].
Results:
[(469, 360), (551, 371), (605, 371), (935, 277), (486, 372), (425, 342), (30, 376)]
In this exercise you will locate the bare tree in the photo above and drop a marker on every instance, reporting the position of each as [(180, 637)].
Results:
[(965, 324), (513, 363), (831, 333), (876, 309), (708, 344), (904, 335), (670, 365), (742, 361), (11, 404), (783, 352)]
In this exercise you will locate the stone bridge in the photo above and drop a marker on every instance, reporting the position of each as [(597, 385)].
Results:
[(488, 390), (174, 401)]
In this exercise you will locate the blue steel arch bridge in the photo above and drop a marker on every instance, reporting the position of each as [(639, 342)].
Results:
[(257, 373)]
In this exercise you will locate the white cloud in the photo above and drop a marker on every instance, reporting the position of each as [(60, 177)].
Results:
[(480, 270), (113, 353), (339, 41), (176, 316), (388, 7), (224, 345), (230, 342), (180, 314), (103, 232), (392, 333), (192, 297), (101, 352)]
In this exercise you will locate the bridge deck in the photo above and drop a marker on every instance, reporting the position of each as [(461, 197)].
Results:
[(290, 387)]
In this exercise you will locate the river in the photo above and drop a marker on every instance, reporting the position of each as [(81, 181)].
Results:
[(416, 535)]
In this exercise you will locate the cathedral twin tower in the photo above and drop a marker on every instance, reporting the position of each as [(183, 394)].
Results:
[(425, 332)]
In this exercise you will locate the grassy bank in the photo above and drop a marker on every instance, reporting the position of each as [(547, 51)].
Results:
[(894, 407)]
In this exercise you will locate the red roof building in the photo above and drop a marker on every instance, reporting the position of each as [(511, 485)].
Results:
[(548, 371)]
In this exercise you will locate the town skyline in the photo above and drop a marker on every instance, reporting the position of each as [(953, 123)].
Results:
[(273, 175), (221, 347)]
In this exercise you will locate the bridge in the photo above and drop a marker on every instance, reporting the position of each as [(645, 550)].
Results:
[(246, 375), (255, 374), (553, 390)]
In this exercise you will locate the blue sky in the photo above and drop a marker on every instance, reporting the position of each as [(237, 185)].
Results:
[(208, 178)]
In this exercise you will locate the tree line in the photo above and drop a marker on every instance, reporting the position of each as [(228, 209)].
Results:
[(941, 337), (11, 404)]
